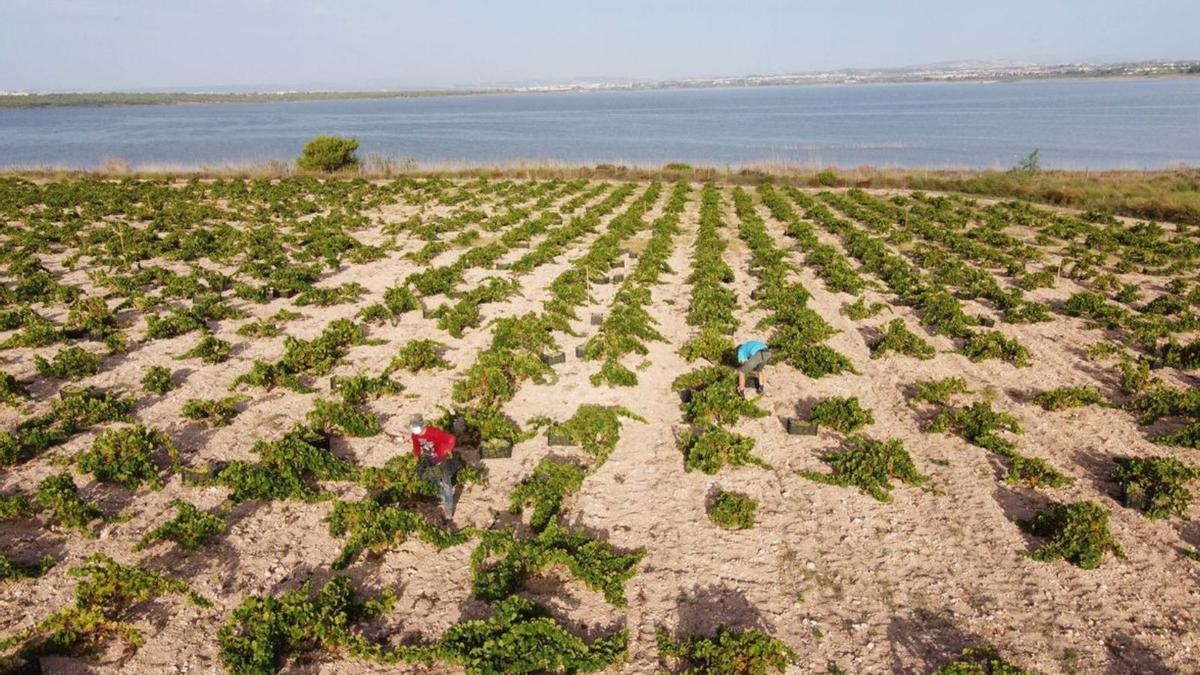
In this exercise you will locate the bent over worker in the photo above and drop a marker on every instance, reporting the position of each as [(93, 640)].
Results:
[(434, 450), (752, 355)]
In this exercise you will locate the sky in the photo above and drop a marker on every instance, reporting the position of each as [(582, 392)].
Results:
[(124, 45)]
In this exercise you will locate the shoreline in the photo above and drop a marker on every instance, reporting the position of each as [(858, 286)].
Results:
[(131, 99)]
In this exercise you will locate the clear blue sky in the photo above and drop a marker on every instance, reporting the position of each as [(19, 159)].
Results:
[(135, 44)]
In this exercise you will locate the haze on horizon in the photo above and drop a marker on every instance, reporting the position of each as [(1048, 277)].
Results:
[(126, 45)]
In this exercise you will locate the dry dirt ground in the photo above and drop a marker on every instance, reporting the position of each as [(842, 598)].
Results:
[(842, 578)]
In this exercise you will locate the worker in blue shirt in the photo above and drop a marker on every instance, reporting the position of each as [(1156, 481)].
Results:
[(752, 355)]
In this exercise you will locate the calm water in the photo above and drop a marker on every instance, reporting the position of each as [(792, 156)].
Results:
[(1077, 124)]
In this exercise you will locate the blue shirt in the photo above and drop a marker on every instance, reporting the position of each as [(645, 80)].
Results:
[(748, 349)]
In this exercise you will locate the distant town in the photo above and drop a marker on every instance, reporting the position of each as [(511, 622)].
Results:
[(973, 71)]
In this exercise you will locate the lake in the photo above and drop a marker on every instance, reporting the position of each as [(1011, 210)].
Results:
[(1095, 124)]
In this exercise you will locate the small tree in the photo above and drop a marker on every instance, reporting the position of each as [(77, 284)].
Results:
[(1031, 164), (329, 153)]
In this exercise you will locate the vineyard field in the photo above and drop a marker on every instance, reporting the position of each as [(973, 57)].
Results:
[(977, 439)]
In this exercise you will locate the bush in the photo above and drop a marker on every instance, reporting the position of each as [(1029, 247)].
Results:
[(981, 661), (860, 309), (1076, 532), (715, 397), (979, 425), (157, 380), (72, 363), (264, 630), (841, 413), (418, 355), (361, 388), (827, 178), (104, 599), (552, 482), (938, 391), (713, 448), (994, 345), (289, 468), (522, 637), (12, 392), (210, 349), (217, 413), (1034, 472), (59, 495), (1062, 398), (501, 563), (869, 465), (375, 526), (898, 338), (126, 455), (336, 416), (595, 428), (1154, 485), (329, 153), (732, 511), (729, 652), (191, 528)]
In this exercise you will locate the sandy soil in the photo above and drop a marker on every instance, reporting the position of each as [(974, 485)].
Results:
[(844, 579)]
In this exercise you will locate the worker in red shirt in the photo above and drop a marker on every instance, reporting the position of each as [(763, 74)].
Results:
[(434, 450)]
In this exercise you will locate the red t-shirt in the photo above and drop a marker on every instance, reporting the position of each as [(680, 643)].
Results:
[(434, 440)]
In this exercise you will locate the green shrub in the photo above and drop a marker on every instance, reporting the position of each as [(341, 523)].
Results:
[(898, 338), (860, 309), (329, 153), (728, 652), (126, 455), (501, 562), (71, 363), (713, 448), (994, 345), (74, 411), (319, 296), (418, 355), (522, 637), (938, 391), (979, 425), (869, 465), (12, 392), (551, 482), (157, 380), (1034, 472), (191, 528), (360, 388), (732, 511), (827, 178), (13, 570), (214, 412), (263, 630), (981, 661), (289, 468), (104, 599), (210, 349), (336, 416), (595, 428), (715, 397), (16, 506), (1156, 486), (1062, 398), (1077, 533), (710, 344), (841, 413), (59, 495), (374, 526)]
